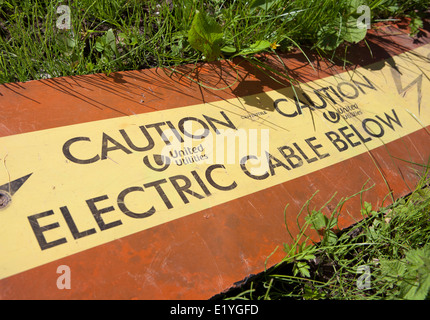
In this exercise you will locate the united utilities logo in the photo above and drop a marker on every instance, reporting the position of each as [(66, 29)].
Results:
[(321, 98)]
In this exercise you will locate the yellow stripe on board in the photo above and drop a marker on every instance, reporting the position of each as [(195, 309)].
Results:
[(95, 182)]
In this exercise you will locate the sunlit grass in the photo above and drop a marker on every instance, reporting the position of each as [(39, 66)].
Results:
[(384, 256), (155, 32)]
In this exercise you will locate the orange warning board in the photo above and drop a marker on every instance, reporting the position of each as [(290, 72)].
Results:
[(144, 185)]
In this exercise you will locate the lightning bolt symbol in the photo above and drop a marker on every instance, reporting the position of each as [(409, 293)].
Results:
[(402, 90)]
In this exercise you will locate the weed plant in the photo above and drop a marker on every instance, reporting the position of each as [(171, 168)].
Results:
[(384, 256)]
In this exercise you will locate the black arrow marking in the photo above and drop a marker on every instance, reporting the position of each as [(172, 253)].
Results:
[(13, 186)]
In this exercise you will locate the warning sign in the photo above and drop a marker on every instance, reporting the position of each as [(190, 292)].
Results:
[(72, 188)]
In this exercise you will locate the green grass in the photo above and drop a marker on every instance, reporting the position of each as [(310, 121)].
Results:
[(384, 256), (108, 36)]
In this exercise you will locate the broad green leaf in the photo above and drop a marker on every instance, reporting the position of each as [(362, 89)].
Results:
[(415, 288), (256, 47), (329, 37), (262, 4), (336, 32), (110, 38), (352, 5), (318, 220), (100, 44), (228, 49), (66, 43), (205, 35), (111, 41), (260, 45), (71, 43), (393, 9), (354, 31)]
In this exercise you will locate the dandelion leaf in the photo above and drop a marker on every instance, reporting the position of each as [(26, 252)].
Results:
[(205, 35)]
